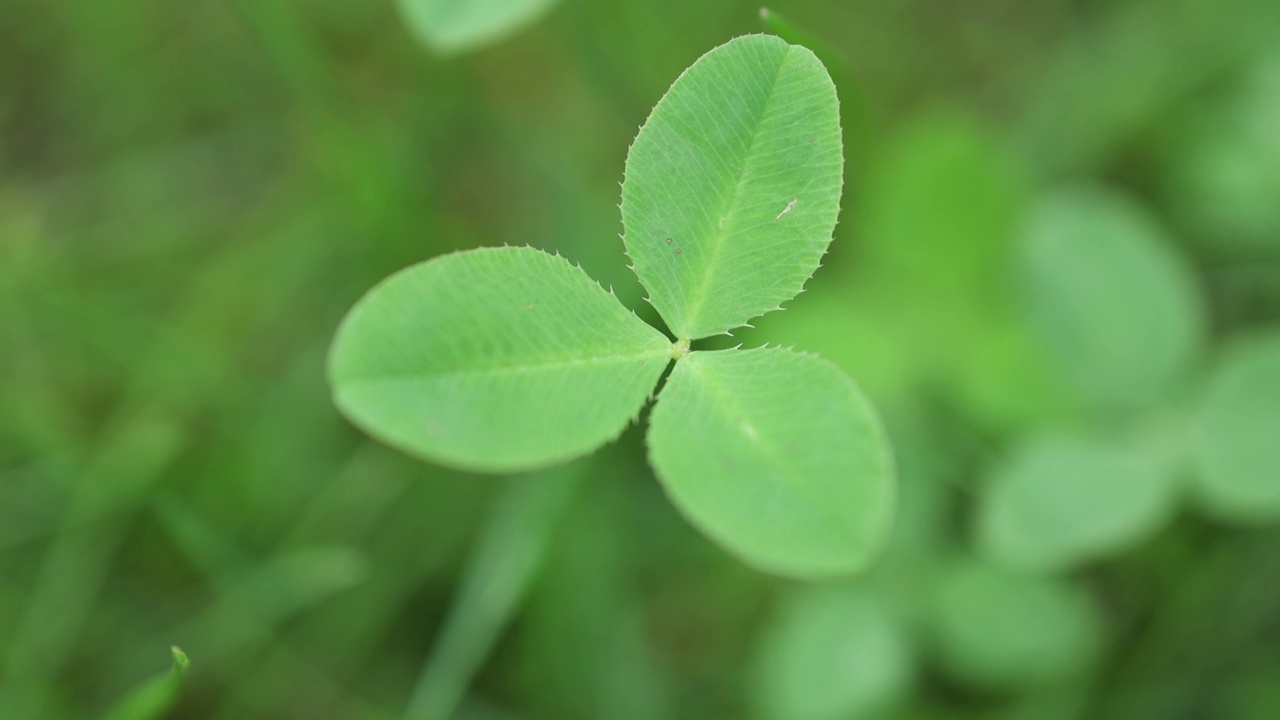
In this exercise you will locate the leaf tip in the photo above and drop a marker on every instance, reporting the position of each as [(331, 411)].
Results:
[(181, 663)]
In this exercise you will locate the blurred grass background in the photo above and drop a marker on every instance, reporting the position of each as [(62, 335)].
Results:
[(191, 195)]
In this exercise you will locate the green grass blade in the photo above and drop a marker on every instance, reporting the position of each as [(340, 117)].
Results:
[(109, 487), (507, 558), (252, 603), (154, 698), (494, 360), (778, 457), (733, 185)]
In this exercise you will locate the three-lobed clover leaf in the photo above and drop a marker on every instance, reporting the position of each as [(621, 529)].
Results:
[(508, 359)]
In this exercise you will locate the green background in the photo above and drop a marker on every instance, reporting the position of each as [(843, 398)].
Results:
[(192, 194)]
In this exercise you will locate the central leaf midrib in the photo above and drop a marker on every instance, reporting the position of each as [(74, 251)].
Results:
[(698, 297), (730, 402), (542, 364)]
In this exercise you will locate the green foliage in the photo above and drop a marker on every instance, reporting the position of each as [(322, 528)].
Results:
[(497, 360), (1059, 500), (1224, 180), (831, 654), (940, 209), (935, 268), (506, 559), (455, 26), (194, 192), (938, 223), (1115, 307), (153, 699), (776, 455), (508, 359), (1238, 444), (733, 185), (1000, 631), (1119, 78)]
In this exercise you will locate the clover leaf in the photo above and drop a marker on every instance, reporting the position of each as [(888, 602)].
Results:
[(509, 359), (454, 26)]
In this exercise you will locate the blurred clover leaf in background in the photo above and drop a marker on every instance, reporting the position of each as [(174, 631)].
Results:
[(997, 630), (1114, 305), (455, 26), (510, 359), (1237, 448), (1223, 182), (833, 652), (1062, 500)]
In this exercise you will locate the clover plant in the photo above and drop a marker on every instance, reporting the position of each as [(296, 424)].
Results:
[(509, 359)]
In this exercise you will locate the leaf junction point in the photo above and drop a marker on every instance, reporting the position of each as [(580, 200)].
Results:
[(679, 348)]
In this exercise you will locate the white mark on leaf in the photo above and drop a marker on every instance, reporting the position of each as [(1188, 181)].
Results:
[(787, 209)]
